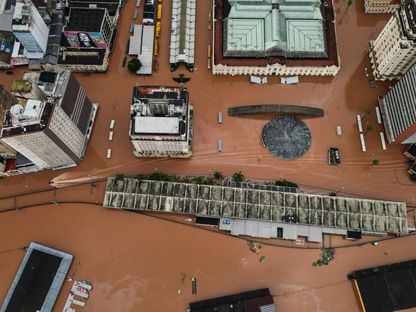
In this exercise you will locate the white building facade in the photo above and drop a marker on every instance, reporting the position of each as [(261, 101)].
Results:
[(381, 6), (30, 29), (161, 122), (51, 133), (393, 53)]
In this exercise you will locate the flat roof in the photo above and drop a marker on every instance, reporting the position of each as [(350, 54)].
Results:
[(38, 281), (85, 19), (387, 288), (146, 50), (156, 125), (250, 301)]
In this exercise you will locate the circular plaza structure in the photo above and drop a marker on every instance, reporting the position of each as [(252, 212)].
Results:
[(286, 137)]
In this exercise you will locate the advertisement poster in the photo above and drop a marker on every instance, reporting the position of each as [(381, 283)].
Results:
[(80, 39)]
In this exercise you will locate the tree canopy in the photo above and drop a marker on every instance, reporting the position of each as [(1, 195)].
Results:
[(134, 65)]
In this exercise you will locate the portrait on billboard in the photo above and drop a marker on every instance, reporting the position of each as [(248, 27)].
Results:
[(80, 39)]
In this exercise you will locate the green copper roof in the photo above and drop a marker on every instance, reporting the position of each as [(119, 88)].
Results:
[(285, 26)]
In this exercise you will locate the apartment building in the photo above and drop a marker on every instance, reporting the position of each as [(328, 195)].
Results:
[(161, 122), (381, 6), (86, 39), (51, 132), (393, 53), (398, 109), (30, 29)]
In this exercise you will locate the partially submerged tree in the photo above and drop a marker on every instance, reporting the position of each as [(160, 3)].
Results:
[(327, 255), (238, 176), (368, 128), (181, 79), (134, 65), (366, 113), (284, 182), (218, 175), (349, 3)]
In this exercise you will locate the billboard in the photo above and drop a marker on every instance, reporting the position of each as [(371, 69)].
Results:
[(82, 39)]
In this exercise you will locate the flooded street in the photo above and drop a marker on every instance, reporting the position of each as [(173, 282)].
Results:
[(135, 261), (342, 97)]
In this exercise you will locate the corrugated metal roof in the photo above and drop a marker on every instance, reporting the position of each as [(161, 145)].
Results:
[(146, 50), (136, 40), (291, 25)]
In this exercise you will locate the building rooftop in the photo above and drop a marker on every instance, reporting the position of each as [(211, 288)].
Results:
[(368, 216), (6, 22), (408, 17), (155, 125), (411, 151), (85, 19), (251, 301), (158, 110), (277, 52), (38, 280), (274, 28), (26, 116), (24, 86), (110, 5), (142, 45), (21, 15), (387, 288)]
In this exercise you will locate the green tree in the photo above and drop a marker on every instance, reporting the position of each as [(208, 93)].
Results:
[(368, 128), (199, 180), (134, 65), (181, 79), (284, 182), (119, 177), (238, 176), (186, 180), (375, 162), (218, 175), (349, 3), (366, 113)]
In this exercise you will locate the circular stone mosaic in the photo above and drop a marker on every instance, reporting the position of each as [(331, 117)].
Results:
[(286, 137)]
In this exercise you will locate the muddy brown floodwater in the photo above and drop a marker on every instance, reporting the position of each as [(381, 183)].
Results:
[(135, 261), (342, 97)]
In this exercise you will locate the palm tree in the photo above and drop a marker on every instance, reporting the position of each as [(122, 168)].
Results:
[(218, 175), (375, 162), (238, 177)]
